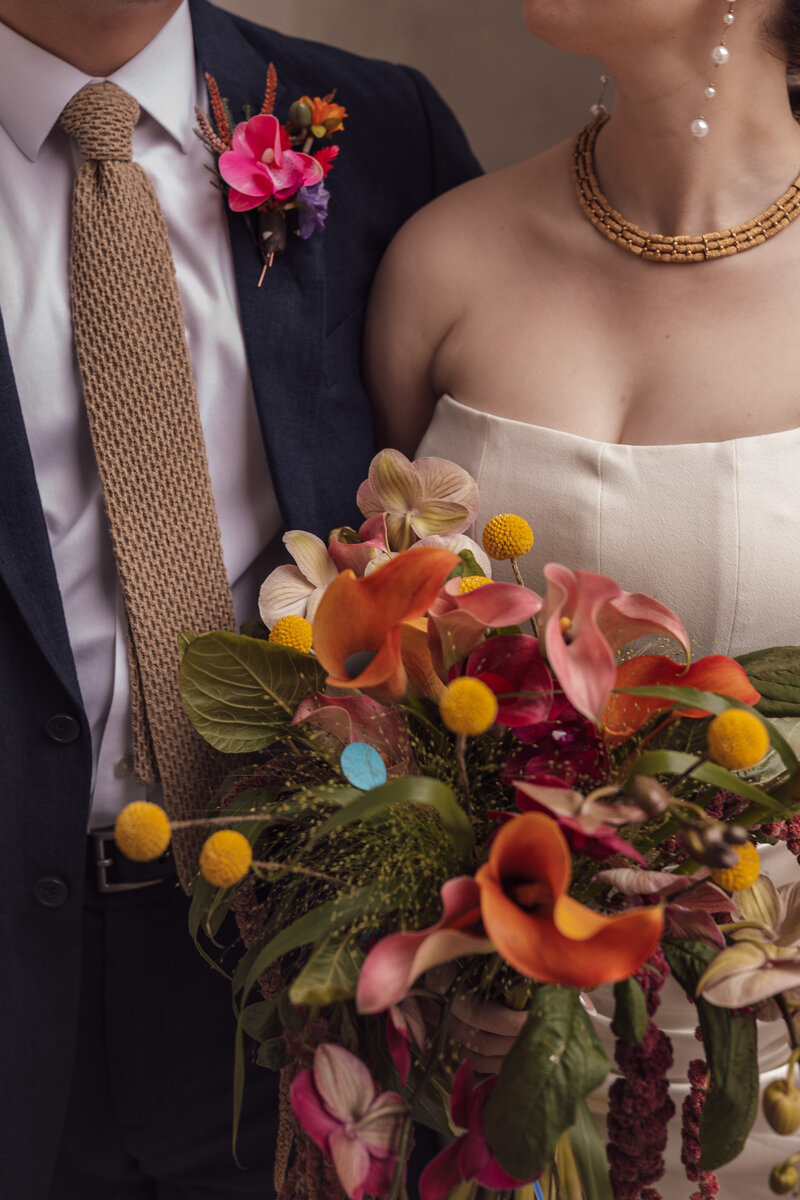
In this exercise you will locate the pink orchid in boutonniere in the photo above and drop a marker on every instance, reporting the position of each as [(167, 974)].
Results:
[(585, 620), (269, 167), (338, 1104)]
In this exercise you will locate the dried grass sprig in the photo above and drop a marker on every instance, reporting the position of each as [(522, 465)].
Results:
[(218, 109), (268, 107), (206, 131)]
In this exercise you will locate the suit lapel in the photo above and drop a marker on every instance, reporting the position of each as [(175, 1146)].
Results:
[(283, 321), (26, 562)]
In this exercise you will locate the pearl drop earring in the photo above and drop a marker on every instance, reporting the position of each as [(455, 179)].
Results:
[(720, 55), (599, 109)]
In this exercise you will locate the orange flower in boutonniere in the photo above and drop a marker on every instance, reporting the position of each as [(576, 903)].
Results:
[(540, 930), (326, 117)]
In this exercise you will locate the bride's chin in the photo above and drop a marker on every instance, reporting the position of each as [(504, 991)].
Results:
[(554, 22)]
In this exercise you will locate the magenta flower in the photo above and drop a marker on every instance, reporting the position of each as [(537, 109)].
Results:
[(512, 667), (585, 620), (469, 1156), (566, 750), (405, 1024), (588, 824), (458, 623), (262, 166), (338, 1104), (392, 966)]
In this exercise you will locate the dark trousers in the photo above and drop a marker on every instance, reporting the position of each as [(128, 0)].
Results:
[(150, 1110)]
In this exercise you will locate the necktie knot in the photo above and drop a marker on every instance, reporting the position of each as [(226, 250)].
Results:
[(101, 117)]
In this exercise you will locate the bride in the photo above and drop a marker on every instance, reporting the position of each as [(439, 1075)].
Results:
[(634, 394)]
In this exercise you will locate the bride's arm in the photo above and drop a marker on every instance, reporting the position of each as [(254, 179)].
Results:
[(416, 300)]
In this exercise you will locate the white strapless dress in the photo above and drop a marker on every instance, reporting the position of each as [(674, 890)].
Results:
[(712, 530)]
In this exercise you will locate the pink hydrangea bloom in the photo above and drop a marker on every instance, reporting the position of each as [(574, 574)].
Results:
[(262, 166)]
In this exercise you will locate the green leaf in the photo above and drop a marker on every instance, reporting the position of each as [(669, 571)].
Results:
[(261, 1021), (554, 1063), (731, 1048), (185, 638), (272, 1054), (467, 566), (775, 673), (240, 693), (376, 899), (675, 762), (417, 789), (330, 974), (714, 703), (630, 1012), (590, 1155)]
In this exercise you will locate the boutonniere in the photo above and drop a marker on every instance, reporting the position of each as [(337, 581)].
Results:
[(271, 169)]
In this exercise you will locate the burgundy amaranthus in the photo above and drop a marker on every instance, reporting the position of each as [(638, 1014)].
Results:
[(690, 1131), (639, 1102)]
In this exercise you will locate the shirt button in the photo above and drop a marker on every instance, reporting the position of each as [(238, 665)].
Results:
[(50, 892), (62, 728), (124, 767)]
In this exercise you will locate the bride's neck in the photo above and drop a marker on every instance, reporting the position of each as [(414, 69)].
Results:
[(658, 175)]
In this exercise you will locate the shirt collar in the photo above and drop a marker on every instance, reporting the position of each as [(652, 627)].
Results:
[(35, 85)]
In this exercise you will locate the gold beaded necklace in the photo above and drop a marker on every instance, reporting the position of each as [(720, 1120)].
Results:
[(683, 248)]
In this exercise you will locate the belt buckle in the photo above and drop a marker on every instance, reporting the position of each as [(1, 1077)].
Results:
[(102, 862)]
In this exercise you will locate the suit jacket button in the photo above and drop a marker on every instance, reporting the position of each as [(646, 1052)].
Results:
[(51, 892), (62, 728)]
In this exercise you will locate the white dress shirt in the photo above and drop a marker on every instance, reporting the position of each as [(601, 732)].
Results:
[(38, 162)]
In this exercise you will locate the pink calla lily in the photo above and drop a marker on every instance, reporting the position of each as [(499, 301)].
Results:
[(361, 719), (469, 1156), (340, 1108), (584, 621), (458, 623), (392, 966), (685, 916), (262, 166)]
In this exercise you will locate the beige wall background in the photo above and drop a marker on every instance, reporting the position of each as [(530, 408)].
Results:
[(513, 95)]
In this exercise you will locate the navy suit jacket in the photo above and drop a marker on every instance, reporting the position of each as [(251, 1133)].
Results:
[(302, 330)]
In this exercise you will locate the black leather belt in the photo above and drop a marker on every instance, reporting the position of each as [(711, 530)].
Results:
[(108, 870)]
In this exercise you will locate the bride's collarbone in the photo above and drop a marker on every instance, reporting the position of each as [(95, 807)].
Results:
[(672, 365)]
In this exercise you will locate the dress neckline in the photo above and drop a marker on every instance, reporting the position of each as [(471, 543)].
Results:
[(548, 430)]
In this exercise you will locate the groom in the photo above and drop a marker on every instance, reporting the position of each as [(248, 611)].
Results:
[(115, 1037)]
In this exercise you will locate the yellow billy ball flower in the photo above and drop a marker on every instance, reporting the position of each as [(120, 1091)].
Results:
[(225, 858), (743, 875), (142, 831), (468, 706), (507, 536), (737, 739), (292, 631), (468, 583)]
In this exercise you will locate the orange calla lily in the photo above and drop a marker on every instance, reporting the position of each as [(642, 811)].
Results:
[(367, 615), (540, 930), (623, 715)]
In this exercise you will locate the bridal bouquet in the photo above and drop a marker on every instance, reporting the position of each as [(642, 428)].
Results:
[(459, 807)]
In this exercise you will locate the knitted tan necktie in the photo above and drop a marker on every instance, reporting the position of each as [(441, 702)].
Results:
[(145, 425)]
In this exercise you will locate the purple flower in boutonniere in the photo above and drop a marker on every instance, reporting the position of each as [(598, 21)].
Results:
[(313, 205), (272, 169)]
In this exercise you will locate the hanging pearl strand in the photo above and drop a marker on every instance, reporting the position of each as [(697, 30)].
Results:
[(719, 56)]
